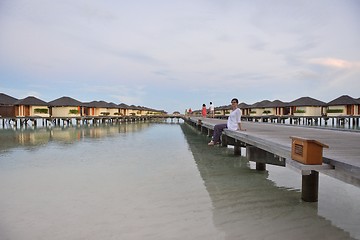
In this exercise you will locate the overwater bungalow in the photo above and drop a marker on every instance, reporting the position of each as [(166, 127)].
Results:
[(7, 105), (221, 110), (343, 105), (245, 109), (66, 107), (113, 109), (151, 112), (31, 107), (123, 109), (101, 108), (278, 108), (134, 110), (307, 106), (260, 109)]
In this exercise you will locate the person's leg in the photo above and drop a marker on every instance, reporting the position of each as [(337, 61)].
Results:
[(217, 132)]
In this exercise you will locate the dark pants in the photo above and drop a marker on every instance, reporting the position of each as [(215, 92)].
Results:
[(218, 128)]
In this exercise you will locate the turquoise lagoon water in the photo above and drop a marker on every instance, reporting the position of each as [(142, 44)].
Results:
[(156, 181)]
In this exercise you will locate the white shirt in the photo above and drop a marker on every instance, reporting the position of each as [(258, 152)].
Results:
[(211, 107), (234, 119)]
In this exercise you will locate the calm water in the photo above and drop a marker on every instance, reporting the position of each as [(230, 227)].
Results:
[(156, 181)]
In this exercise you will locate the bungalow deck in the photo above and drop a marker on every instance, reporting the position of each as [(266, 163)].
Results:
[(341, 160)]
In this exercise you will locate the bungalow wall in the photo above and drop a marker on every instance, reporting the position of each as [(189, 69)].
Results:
[(134, 112), (256, 112), (123, 112), (113, 111), (102, 112), (65, 111), (268, 111), (280, 111), (98, 111), (227, 112), (343, 110), (7, 111), (31, 111), (42, 111), (245, 111), (307, 111)]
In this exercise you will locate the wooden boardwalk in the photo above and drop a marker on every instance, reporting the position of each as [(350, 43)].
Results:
[(343, 154)]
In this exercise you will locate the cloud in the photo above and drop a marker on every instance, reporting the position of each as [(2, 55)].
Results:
[(139, 51), (335, 63)]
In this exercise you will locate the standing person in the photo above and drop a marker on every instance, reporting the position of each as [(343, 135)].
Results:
[(203, 111), (211, 110), (233, 123)]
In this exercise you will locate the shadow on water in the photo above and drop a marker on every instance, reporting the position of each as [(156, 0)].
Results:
[(247, 205)]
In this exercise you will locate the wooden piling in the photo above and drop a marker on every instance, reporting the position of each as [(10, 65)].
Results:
[(310, 187)]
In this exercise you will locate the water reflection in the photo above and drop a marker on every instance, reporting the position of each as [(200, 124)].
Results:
[(14, 138), (247, 205)]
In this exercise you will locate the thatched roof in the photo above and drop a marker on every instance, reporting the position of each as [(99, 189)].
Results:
[(261, 104), (100, 104), (123, 106), (306, 101), (112, 105), (277, 103), (133, 107), (65, 102), (243, 105), (6, 99), (31, 101), (343, 100)]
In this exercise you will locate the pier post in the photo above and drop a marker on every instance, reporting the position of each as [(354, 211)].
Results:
[(204, 130), (224, 140), (237, 150), (260, 166), (310, 187), (257, 155)]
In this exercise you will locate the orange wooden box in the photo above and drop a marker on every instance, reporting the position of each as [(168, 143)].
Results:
[(307, 151)]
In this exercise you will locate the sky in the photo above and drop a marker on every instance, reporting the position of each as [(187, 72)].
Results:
[(177, 54)]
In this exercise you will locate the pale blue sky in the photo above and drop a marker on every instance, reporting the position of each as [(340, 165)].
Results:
[(172, 55)]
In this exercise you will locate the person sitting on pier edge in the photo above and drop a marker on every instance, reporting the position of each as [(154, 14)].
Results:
[(233, 123)]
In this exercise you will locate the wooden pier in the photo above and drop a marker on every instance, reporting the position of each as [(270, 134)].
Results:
[(268, 143)]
